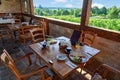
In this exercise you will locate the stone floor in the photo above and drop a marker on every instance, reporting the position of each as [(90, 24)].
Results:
[(18, 50)]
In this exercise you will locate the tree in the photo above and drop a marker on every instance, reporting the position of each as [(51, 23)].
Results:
[(71, 11), (65, 12), (77, 12), (58, 12), (103, 10), (119, 13), (113, 12), (95, 10), (37, 11), (54, 12)]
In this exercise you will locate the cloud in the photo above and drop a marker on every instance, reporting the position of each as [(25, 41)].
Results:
[(98, 5), (69, 5), (61, 1), (58, 1)]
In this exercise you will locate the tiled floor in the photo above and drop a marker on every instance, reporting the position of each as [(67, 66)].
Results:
[(17, 50)]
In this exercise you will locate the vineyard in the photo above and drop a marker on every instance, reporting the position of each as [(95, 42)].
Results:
[(108, 18), (112, 24)]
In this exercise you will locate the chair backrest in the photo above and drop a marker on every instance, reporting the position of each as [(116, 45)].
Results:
[(17, 21), (37, 34), (107, 72), (75, 37), (4, 32), (9, 62), (25, 29), (88, 37), (35, 22), (44, 24)]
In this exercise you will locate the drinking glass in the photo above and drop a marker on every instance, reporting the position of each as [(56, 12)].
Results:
[(77, 45)]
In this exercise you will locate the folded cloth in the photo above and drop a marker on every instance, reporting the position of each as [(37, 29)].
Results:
[(72, 65)]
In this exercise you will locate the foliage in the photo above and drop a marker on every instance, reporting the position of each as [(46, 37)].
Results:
[(100, 17), (67, 18), (113, 24), (113, 12)]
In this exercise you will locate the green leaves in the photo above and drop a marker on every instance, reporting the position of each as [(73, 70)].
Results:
[(112, 24)]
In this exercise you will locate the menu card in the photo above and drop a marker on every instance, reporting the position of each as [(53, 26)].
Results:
[(75, 37)]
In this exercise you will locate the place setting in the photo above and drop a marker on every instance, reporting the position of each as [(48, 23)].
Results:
[(78, 57), (64, 59), (51, 40)]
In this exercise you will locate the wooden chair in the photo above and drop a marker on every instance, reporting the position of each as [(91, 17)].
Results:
[(37, 34), (24, 33), (87, 37), (44, 24), (106, 72), (5, 34), (35, 22), (9, 62), (17, 21)]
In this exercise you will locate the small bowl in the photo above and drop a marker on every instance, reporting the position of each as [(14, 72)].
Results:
[(68, 50), (44, 45)]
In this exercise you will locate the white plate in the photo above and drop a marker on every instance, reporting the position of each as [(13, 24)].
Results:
[(61, 57), (85, 58)]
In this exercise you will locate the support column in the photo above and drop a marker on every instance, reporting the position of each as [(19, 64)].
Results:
[(85, 13), (31, 7)]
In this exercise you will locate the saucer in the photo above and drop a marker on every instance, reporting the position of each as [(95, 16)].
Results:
[(61, 57)]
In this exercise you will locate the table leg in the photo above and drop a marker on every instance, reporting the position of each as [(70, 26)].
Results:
[(56, 77), (82, 67), (14, 32)]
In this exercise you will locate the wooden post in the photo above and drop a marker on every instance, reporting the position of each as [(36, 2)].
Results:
[(85, 13), (0, 1), (31, 7)]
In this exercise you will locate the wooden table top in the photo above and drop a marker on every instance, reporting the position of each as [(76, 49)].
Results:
[(17, 26), (50, 53), (14, 26), (6, 21)]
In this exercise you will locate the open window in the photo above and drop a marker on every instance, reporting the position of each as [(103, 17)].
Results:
[(105, 14), (68, 10)]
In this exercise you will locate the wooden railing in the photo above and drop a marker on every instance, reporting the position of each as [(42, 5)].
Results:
[(111, 35)]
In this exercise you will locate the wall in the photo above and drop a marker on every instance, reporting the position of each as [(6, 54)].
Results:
[(10, 6), (56, 30), (110, 50)]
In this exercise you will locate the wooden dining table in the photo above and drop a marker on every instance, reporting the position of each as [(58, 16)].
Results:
[(62, 68), (16, 27)]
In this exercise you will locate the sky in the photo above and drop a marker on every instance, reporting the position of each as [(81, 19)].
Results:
[(75, 3)]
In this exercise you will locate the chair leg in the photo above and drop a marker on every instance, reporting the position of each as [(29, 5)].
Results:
[(13, 41), (3, 42), (24, 42), (49, 78)]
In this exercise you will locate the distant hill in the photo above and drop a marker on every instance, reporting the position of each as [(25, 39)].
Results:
[(55, 8)]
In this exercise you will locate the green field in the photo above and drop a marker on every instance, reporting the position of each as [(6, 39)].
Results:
[(112, 24)]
